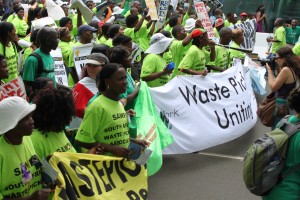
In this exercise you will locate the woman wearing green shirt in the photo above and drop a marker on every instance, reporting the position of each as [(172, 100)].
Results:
[(20, 166), (19, 23), (196, 58), (105, 120)]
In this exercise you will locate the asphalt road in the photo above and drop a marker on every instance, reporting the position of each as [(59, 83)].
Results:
[(212, 174)]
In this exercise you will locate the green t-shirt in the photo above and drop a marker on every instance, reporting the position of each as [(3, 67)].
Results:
[(108, 42), (227, 23), (104, 121), (168, 28), (130, 33), (50, 142), (143, 38), (11, 157), (194, 59), (102, 40), (11, 57), (281, 36), (221, 58), (235, 53), (31, 67), (154, 63), (27, 52), (217, 35), (66, 49), (74, 22), (296, 49), (20, 25), (11, 18), (178, 51), (292, 35), (289, 187)]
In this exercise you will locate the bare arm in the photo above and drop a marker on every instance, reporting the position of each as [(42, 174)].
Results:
[(276, 84)]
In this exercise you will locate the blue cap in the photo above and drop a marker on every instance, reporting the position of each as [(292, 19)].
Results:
[(86, 28)]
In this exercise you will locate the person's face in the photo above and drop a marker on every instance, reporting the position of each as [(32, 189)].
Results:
[(240, 39), (204, 40), (69, 25), (66, 37), (12, 35), (139, 7), (112, 5), (3, 69), (243, 18), (51, 39), (117, 82), (134, 11), (25, 125), (121, 31), (181, 34), (279, 60), (127, 61), (294, 23), (88, 35), (227, 38), (93, 70), (128, 46), (90, 5), (20, 14)]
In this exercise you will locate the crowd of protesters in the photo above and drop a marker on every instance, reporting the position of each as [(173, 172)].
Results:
[(104, 95)]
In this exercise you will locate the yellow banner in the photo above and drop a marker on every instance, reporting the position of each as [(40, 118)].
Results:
[(86, 176)]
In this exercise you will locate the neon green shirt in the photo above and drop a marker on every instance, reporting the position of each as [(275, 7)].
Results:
[(178, 52), (27, 52), (66, 49), (11, 57), (10, 18), (130, 33), (217, 35), (50, 142), (108, 42), (154, 63), (194, 59), (279, 35), (143, 38), (104, 121), (235, 53), (227, 23), (296, 49), (74, 22), (221, 58), (11, 156), (20, 25), (31, 67), (102, 40)]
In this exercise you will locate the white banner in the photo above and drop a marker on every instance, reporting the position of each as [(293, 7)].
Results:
[(59, 67), (262, 47), (80, 54), (203, 16), (202, 112), (162, 13), (174, 4), (152, 9), (249, 28)]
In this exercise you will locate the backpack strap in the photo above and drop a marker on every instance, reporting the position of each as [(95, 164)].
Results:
[(40, 68)]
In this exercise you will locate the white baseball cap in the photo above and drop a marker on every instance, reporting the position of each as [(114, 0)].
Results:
[(12, 110), (158, 43), (189, 25)]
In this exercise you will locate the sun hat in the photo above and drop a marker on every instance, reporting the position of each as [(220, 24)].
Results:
[(158, 43), (83, 28), (189, 24), (96, 59), (243, 14), (12, 110), (117, 10), (219, 22)]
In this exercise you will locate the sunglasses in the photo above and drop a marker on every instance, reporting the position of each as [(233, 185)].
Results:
[(277, 58)]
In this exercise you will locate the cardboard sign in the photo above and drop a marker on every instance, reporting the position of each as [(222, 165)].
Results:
[(152, 9), (162, 13), (80, 54), (203, 16), (59, 67)]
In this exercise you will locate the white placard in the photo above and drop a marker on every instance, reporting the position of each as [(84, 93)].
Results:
[(59, 67), (162, 13), (80, 54), (203, 16), (152, 9), (54, 10)]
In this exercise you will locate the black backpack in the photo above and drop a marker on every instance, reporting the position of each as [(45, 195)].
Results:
[(40, 68)]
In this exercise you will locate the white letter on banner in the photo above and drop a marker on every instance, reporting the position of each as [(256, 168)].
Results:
[(206, 111)]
